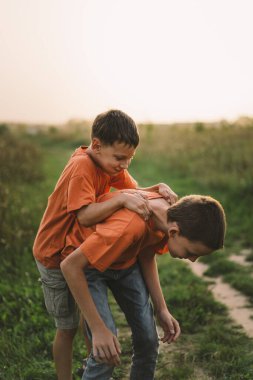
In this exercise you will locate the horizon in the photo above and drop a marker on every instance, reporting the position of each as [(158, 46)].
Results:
[(243, 119)]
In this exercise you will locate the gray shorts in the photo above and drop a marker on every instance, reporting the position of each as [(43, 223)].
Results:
[(58, 298)]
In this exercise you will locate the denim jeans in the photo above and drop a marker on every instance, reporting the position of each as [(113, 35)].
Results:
[(131, 294)]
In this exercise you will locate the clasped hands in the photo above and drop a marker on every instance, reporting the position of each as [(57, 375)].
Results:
[(136, 199)]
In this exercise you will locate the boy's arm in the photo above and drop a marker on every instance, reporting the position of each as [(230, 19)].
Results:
[(106, 347), (97, 212), (168, 323)]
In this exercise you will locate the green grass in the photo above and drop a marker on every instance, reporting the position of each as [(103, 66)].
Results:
[(249, 257), (208, 161)]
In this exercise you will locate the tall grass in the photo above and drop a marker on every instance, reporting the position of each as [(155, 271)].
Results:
[(217, 157), (215, 161), (26, 331), (20, 167)]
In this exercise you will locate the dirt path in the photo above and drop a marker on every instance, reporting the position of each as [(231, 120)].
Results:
[(238, 259), (236, 303)]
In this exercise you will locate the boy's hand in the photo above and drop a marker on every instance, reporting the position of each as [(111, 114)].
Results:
[(167, 193), (137, 202), (106, 347), (169, 325)]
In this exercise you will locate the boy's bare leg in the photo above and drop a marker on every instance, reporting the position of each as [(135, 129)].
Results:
[(62, 352)]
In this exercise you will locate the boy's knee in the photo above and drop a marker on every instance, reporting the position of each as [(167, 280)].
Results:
[(67, 334), (152, 344), (148, 344), (95, 370)]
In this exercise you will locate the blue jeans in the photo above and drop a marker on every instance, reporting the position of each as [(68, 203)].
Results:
[(131, 294)]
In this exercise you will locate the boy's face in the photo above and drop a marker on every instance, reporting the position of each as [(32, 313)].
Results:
[(112, 158), (182, 248)]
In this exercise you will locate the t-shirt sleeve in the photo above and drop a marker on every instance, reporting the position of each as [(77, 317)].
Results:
[(81, 192), (162, 247), (123, 181), (112, 237), (159, 248)]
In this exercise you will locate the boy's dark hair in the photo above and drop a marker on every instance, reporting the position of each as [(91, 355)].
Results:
[(200, 218), (115, 126)]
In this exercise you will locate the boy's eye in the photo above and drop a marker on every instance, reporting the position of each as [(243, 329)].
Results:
[(123, 158)]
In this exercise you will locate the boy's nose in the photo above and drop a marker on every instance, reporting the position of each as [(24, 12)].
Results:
[(124, 165), (193, 258)]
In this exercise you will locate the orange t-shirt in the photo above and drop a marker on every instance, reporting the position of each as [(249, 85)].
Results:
[(80, 184), (116, 242)]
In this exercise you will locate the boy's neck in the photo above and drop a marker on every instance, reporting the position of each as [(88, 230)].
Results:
[(89, 151), (92, 155), (159, 207)]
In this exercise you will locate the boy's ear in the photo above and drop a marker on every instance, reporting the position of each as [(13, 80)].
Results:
[(96, 145), (173, 229)]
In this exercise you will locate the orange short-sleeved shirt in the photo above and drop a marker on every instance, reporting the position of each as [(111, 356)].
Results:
[(117, 241), (80, 184)]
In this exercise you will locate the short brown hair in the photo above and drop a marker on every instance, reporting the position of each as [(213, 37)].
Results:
[(200, 218), (115, 126)]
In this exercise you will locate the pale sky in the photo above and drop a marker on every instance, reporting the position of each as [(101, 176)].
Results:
[(157, 60)]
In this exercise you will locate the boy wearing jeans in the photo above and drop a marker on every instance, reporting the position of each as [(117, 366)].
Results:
[(90, 172), (120, 254)]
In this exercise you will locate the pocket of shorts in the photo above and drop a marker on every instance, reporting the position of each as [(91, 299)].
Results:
[(58, 299)]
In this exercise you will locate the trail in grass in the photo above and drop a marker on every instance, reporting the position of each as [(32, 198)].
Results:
[(236, 303), (241, 258)]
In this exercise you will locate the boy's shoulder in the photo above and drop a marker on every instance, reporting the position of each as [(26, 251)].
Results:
[(81, 160), (80, 165), (135, 223), (80, 153)]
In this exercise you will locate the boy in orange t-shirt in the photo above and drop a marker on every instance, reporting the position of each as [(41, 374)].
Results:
[(192, 227), (72, 208)]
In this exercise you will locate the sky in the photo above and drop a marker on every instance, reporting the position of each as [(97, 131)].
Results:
[(159, 61)]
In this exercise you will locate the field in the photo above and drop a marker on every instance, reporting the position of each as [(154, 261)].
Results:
[(215, 160)]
